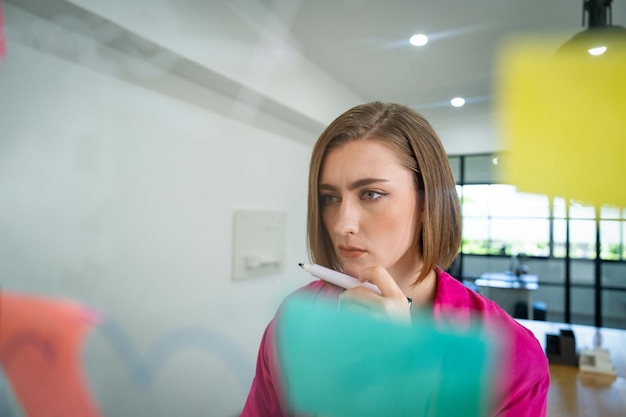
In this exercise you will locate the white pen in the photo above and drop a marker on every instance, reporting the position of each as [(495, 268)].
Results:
[(337, 278)]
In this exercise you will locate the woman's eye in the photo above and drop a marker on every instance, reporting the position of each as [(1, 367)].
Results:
[(326, 199), (371, 195)]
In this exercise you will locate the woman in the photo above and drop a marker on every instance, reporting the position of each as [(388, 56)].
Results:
[(383, 208)]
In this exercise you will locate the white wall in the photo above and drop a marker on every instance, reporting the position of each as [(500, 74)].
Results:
[(239, 40), (118, 193), (473, 133)]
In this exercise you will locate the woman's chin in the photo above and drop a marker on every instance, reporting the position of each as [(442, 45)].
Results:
[(352, 267)]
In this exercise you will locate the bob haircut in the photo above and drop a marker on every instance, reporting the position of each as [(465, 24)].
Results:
[(420, 150)]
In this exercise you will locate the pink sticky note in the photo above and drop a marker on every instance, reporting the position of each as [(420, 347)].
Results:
[(40, 343)]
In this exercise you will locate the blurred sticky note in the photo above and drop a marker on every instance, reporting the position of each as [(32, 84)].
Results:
[(40, 352), (346, 364), (563, 121)]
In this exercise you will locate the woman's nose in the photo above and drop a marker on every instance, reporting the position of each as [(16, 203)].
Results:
[(347, 220)]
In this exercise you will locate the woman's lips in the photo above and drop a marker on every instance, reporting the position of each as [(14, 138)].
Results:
[(350, 252)]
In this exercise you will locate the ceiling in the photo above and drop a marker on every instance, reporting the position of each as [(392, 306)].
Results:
[(364, 43)]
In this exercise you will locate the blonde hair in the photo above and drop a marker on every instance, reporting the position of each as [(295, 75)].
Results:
[(421, 151)]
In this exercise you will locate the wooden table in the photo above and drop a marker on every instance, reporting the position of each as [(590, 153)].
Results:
[(574, 393)]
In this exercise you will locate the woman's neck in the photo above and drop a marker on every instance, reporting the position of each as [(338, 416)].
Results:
[(423, 292)]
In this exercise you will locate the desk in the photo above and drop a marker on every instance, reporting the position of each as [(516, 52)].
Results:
[(580, 394), (492, 282)]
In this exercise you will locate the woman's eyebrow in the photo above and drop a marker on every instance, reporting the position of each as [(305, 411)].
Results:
[(356, 184)]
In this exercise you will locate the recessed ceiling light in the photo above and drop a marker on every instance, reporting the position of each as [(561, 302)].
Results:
[(457, 101), (419, 40)]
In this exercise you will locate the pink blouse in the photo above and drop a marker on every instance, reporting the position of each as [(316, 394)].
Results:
[(523, 382)]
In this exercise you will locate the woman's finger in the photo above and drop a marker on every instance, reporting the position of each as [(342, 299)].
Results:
[(380, 277), (392, 300)]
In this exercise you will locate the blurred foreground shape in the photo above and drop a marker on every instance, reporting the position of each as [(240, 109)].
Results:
[(40, 352), (352, 364), (563, 119)]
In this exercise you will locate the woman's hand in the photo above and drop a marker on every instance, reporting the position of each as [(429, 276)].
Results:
[(392, 302)]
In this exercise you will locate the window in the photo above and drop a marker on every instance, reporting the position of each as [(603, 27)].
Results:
[(572, 246), (499, 219)]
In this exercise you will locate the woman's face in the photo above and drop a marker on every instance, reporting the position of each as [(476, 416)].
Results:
[(370, 208)]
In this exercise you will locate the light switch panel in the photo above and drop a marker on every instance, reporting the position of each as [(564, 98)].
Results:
[(258, 243)]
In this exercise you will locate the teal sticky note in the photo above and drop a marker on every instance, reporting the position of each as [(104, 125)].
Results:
[(349, 364)]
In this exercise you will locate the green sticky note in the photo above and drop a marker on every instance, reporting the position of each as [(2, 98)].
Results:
[(343, 364)]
